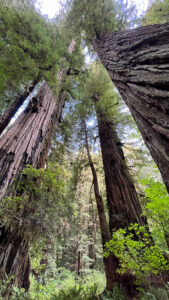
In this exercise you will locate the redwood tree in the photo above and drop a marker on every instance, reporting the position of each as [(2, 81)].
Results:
[(28, 138), (122, 199), (13, 108), (138, 63), (111, 263), (26, 142), (123, 203)]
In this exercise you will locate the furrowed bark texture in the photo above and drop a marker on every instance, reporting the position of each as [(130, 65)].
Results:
[(28, 139), (11, 111), (14, 259), (138, 63), (26, 142), (111, 263), (105, 235), (123, 203)]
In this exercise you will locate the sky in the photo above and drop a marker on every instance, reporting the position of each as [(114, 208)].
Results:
[(51, 7)]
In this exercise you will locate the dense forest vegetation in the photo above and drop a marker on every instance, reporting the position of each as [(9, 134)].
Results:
[(84, 143)]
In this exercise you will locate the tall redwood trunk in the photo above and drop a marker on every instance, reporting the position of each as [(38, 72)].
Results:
[(11, 111), (26, 142), (123, 203), (138, 63), (14, 259), (28, 139), (111, 263)]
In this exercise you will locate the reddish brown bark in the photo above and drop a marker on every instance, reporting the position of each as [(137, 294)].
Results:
[(11, 111), (123, 203), (26, 142), (111, 263), (14, 259), (105, 235), (138, 63), (28, 139)]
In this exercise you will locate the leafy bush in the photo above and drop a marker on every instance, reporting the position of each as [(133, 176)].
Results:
[(117, 294), (157, 209), (36, 200), (64, 285), (154, 294), (135, 252)]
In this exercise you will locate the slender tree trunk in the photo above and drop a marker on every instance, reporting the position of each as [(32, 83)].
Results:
[(123, 203), (138, 63), (11, 111), (26, 142), (92, 232), (166, 234), (79, 262)]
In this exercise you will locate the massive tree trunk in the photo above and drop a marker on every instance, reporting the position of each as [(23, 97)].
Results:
[(123, 203), (11, 111), (28, 139), (14, 258), (111, 263), (26, 142), (138, 63)]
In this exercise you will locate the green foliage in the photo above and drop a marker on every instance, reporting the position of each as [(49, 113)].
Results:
[(153, 293), (157, 13), (65, 285), (30, 48), (37, 198), (95, 92), (75, 290), (78, 292), (136, 252), (91, 17), (116, 294), (157, 199), (157, 208)]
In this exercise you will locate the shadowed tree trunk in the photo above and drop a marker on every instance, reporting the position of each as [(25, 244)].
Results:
[(92, 229), (138, 63), (123, 203), (26, 142), (111, 263), (29, 138), (166, 235), (11, 111), (14, 258)]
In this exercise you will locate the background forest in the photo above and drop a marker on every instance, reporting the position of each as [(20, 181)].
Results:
[(84, 206)]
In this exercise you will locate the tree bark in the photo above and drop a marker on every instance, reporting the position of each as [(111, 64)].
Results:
[(28, 139), (138, 63), (166, 235), (111, 263), (26, 142), (92, 229), (11, 111), (14, 259), (123, 203)]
